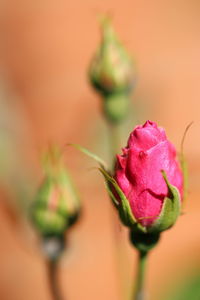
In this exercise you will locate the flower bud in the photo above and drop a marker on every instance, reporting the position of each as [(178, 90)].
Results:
[(147, 185), (56, 205), (112, 73), (111, 69)]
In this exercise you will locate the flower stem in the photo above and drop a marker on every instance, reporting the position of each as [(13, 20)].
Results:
[(53, 247), (139, 288), (53, 281)]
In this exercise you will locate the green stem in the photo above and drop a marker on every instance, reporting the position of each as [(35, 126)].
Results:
[(139, 293), (116, 106), (53, 280)]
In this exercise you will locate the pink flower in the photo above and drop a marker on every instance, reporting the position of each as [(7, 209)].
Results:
[(138, 171)]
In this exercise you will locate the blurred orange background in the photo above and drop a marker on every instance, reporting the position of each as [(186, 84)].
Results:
[(45, 96)]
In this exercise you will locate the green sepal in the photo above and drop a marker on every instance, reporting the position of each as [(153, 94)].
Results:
[(183, 164), (49, 223), (123, 205), (100, 161), (170, 210), (184, 169)]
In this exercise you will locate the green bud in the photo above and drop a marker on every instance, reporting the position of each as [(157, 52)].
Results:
[(56, 204), (112, 69)]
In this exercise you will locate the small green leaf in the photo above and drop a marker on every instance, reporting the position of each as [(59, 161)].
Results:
[(123, 207), (90, 154), (170, 210)]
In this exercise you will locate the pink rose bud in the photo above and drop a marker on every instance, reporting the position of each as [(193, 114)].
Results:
[(149, 180)]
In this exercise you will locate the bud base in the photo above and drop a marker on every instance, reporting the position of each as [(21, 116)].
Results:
[(144, 242), (116, 106)]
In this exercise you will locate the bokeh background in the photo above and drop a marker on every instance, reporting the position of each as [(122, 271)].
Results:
[(45, 96)]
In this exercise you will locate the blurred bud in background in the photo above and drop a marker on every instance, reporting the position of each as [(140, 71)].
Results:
[(112, 69), (112, 74), (56, 206)]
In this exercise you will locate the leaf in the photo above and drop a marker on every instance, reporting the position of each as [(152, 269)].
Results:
[(90, 154), (170, 210)]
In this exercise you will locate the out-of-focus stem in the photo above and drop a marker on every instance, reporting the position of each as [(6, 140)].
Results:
[(52, 266), (116, 105), (115, 110), (53, 247), (114, 139)]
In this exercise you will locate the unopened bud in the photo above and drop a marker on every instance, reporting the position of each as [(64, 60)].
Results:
[(112, 69), (56, 205)]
